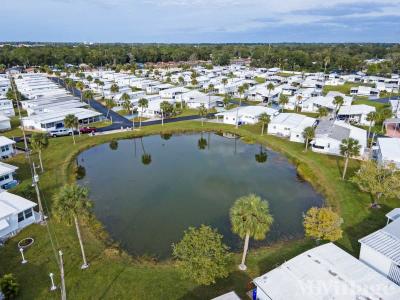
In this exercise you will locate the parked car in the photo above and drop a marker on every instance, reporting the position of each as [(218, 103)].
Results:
[(87, 129), (60, 132)]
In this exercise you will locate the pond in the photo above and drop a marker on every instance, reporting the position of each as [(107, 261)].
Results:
[(148, 191)]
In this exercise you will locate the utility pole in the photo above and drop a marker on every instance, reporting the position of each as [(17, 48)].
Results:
[(35, 181), (63, 290)]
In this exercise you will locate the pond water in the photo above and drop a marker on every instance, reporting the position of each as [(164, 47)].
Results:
[(147, 191)]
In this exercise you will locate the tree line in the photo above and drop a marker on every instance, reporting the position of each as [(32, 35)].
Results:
[(307, 57)]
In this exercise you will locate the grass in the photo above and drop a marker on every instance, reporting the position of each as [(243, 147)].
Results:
[(259, 79), (377, 105), (115, 275), (344, 88)]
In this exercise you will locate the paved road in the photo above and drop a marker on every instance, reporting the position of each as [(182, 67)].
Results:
[(119, 121), (116, 118), (386, 100)]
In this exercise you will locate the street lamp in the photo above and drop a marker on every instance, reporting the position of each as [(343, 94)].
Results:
[(24, 261)]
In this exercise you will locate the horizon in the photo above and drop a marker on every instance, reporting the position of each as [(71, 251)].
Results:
[(201, 22)]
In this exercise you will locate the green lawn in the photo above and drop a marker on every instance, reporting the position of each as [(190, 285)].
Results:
[(115, 275), (259, 79), (344, 88)]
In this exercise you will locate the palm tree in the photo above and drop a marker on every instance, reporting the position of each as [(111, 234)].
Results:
[(308, 135), (80, 86), (298, 100), (143, 103), (194, 82), (241, 90), (283, 100), (322, 112), (109, 105), (101, 83), (250, 217), (384, 114), (202, 113), (88, 95), (70, 203), (264, 119), (114, 89), (224, 81), (89, 78), (126, 102), (338, 101), (371, 117), (262, 156), (164, 107), (181, 80), (39, 142), (226, 100), (349, 148), (71, 122), (270, 88)]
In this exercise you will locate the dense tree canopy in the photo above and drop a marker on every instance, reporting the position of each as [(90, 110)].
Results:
[(312, 57)]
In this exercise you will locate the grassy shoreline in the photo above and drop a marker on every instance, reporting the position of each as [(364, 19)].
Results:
[(115, 274)]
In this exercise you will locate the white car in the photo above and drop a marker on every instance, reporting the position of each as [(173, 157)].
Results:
[(60, 132)]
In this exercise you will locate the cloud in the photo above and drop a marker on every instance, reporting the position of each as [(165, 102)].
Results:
[(199, 20)]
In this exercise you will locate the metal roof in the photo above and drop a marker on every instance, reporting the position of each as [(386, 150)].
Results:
[(386, 241)]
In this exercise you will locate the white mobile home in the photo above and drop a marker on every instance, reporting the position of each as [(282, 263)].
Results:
[(324, 272), (388, 151), (246, 114), (291, 126), (5, 123), (364, 91), (356, 113), (15, 214), (329, 136), (6, 147), (173, 92), (381, 249), (7, 172), (6, 107), (55, 119)]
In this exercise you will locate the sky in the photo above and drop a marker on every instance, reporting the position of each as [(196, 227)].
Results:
[(200, 21)]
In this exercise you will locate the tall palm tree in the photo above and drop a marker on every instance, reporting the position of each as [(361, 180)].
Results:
[(308, 135), (114, 89), (110, 104), (89, 78), (283, 100), (80, 86), (39, 142), (241, 90), (202, 113), (226, 100), (101, 83), (264, 119), (143, 103), (371, 117), (250, 217), (72, 123), (349, 148), (384, 114), (322, 112), (298, 100), (126, 102), (270, 88), (88, 95), (71, 204), (165, 108), (338, 101)]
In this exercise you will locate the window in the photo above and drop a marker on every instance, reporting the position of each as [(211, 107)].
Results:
[(28, 213), (21, 217)]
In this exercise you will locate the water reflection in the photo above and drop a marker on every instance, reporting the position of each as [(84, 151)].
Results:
[(262, 156)]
